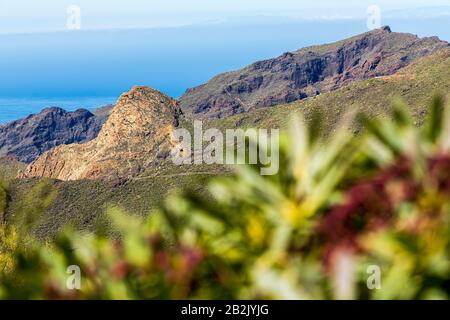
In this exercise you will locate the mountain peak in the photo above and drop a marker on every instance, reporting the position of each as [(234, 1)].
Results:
[(387, 29), (52, 110), (137, 132), (381, 30), (140, 92)]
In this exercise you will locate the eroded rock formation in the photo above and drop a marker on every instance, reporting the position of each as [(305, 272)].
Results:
[(137, 132)]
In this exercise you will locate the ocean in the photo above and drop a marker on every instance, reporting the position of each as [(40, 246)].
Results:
[(90, 69), (15, 108)]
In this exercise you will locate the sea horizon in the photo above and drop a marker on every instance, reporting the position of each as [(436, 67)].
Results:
[(14, 108)]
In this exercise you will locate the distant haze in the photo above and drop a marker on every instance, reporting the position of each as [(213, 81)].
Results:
[(50, 15)]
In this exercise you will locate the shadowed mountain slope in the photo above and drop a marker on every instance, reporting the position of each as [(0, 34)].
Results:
[(137, 133), (27, 138)]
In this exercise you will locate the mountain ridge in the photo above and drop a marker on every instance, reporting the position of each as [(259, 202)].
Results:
[(27, 138), (307, 72)]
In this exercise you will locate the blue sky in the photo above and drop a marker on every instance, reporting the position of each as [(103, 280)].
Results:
[(18, 16)]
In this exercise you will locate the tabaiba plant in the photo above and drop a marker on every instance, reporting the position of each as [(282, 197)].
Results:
[(346, 217)]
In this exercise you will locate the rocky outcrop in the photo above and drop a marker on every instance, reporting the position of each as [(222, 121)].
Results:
[(28, 138), (137, 132), (307, 72)]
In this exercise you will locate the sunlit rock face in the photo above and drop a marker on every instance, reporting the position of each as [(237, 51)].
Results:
[(137, 132)]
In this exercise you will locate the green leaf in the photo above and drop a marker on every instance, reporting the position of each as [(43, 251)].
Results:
[(434, 123)]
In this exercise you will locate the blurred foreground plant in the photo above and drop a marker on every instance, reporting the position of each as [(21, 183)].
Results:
[(338, 209), (15, 231)]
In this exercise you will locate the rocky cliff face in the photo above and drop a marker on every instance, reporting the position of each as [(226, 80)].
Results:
[(137, 132), (307, 72), (27, 138)]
